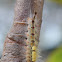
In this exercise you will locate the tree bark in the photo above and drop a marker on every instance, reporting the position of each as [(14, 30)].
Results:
[(15, 46)]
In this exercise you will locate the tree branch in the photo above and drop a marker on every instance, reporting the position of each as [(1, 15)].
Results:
[(15, 46)]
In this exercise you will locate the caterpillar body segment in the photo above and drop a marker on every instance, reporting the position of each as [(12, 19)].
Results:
[(34, 53)]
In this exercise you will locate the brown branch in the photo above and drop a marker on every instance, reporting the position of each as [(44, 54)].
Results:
[(15, 46)]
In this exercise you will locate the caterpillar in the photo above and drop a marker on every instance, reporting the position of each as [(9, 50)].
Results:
[(22, 40), (31, 38)]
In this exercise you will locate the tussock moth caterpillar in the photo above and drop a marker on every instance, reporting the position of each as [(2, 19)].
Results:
[(31, 39)]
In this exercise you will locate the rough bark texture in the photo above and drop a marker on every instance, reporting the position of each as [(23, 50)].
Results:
[(15, 46)]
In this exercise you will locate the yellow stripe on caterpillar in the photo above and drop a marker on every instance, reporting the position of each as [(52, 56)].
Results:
[(34, 53), (34, 48), (34, 56)]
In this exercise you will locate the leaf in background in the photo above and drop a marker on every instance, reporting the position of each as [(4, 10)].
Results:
[(55, 56), (57, 1)]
